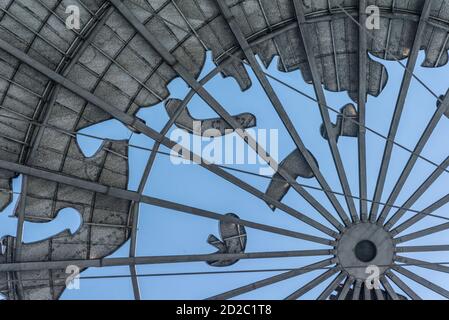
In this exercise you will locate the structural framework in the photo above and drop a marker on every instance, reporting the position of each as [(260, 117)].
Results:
[(55, 81)]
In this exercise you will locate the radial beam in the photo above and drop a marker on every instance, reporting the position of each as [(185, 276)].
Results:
[(71, 181), (434, 248), (21, 218), (389, 288), (423, 264), (111, 262), (402, 285), (379, 294), (136, 197), (174, 63), (424, 282), (283, 115), (363, 60), (332, 286), (272, 280), (306, 32), (422, 233), (405, 86), (419, 216), (140, 126), (366, 293), (312, 284), (417, 194), (133, 248), (357, 288), (345, 290), (20, 226), (211, 215), (135, 208), (414, 158)]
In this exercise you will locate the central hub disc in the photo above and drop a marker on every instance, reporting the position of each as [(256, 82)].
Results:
[(365, 251), (363, 245)]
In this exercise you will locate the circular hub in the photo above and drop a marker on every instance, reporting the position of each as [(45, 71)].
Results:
[(365, 251), (363, 245)]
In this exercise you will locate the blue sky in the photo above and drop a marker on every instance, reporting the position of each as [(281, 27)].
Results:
[(165, 232)]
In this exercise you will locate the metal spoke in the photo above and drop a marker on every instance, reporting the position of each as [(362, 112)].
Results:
[(20, 226), (393, 295), (422, 233), (134, 196), (363, 54), (152, 158), (414, 158), (345, 290), (379, 294), (277, 104), (357, 288), (423, 264), (424, 282), (211, 215), (434, 248), (21, 218), (134, 211), (332, 286), (306, 32), (405, 86), (135, 207), (312, 284), (417, 194), (401, 284), (172, 61), (278, 204), (139, 126), (272, 280), (120, 193), (110, 262), (419, 216), (366, 293)]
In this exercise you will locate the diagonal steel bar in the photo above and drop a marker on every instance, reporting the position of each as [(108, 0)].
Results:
[(306, 32), (110, 262), (174, 63), (405, 86), (363, 59), (312, 284), (402, 285), (277, 104), (272, 280), (332, 286), (424, 282), (414, 158), (417, 194), (419, 216), (142, 127)]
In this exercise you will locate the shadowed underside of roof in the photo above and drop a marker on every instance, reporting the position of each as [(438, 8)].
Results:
[(110, 59)]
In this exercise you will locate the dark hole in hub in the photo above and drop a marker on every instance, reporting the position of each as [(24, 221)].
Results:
[(365, 251)]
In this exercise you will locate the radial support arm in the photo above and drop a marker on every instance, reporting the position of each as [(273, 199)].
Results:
[(277, 104), (405, 86), (272, 280), (306, 32), (363, 59)]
